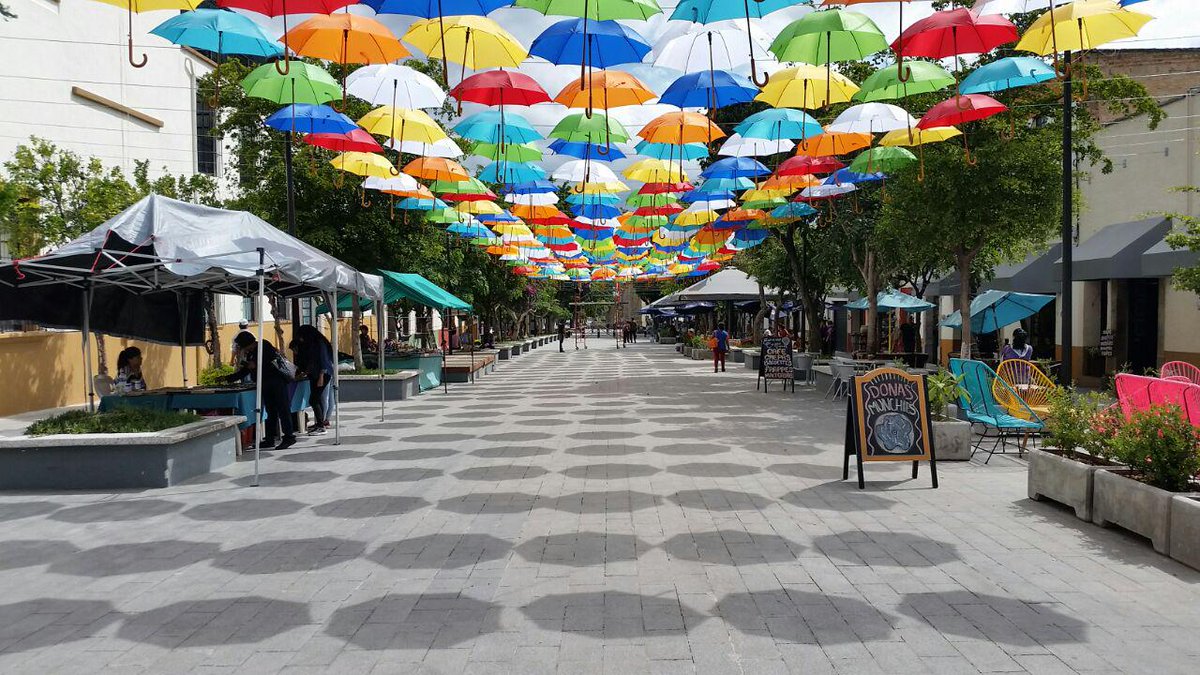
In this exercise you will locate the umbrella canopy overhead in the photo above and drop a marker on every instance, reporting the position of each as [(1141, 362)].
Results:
[(891, 300), (993, 310)]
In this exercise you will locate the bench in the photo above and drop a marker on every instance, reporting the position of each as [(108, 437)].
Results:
[(398, 386), (462, 368)]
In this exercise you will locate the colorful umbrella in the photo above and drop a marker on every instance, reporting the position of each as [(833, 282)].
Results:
[(402, 124), (1007, 73), (595, 10), (806, 87), (671, 150), (710, 48), (489, 127), (735, 167), (681, 127), (882, 159), (955, 32), (710, 89), (514, 152), (737, 146), (607, 153), (1081, 25), (709, 11), (500, 87), (283, 8), (303, 83), (833, 143), (398, 86), (600, 44), (476, 42), (306, 118), (436, 169), (918, 77), (221, 32), (779, 123), (605, 89), (960, 110), (872, 118), (802, 165), (355, 140)]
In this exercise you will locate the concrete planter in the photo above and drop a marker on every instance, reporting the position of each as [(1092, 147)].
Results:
[(399, 386), (752, 359), (118, 461), (702, 354), (516, 349), (663, 340), (1135, 506), (1185, 530), (1062, 479), (503, 353), (737, 355), (952, 440)]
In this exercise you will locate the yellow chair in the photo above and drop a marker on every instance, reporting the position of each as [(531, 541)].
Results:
[(1027, 381)]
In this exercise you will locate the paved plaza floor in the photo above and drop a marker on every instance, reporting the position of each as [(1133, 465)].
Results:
[(608, 511)]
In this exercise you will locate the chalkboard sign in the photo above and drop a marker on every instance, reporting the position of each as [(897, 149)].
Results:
[(775, 362), (887, 420), (1106, 343)]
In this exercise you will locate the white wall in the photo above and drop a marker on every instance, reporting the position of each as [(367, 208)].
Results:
[(52, 46)]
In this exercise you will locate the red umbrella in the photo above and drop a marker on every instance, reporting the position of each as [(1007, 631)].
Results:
[(500, 87), (959, 110), (708, 266), (803, 164), (662, 188), (357, 140), (284, 8), (955, 32), (664, 210)]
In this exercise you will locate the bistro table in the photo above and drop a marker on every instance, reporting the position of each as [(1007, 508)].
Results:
[(239, 399)]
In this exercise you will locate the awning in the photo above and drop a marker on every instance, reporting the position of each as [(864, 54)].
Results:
[(415, 288), (1161, 260), (1115, 252), (728, 284), (1037, 273)]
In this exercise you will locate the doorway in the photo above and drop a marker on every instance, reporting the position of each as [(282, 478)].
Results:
[(1142, 326)]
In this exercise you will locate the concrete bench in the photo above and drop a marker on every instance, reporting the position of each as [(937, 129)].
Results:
[(398, 386), (737, 355), (751, 358), (460, 368)]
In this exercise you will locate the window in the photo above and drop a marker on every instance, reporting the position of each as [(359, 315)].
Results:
[(248, 305), (207, 158)]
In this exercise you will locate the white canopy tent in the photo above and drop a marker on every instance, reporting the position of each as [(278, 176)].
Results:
[(162, 253), (728, 284)]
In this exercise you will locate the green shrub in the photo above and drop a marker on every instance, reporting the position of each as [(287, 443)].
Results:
[(1161, 446), (943, 388), (1082, 422), (210, 377), (123, 420)]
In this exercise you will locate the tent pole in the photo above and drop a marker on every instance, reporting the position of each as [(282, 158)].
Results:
[(259, 422), (445, 344), (381, 310), (470, 331), (331, 299), (182, 338), (89, 388)]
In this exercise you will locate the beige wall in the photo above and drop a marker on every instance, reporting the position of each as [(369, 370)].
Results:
[(1180, 334)]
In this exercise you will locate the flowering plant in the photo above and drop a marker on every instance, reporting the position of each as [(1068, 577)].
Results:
[(1161, 446), (1072, 420)]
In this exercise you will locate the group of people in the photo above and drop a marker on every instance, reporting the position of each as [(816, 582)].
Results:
[(629, 331)]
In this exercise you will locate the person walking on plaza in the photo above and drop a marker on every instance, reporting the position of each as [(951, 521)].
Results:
[(720, 348), (562, 334), (315, 363), (275, 377)]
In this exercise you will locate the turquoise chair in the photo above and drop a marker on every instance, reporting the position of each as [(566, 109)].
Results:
[(981, 406)]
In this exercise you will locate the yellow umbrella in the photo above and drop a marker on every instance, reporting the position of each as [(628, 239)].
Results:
[(767, 193), (598, 188), (476, 42), (364, 164), (655, 171), (918, 138), (806, 86), (479, 208), (696, 218), (1081, 25), (139, 6), (414, 125)]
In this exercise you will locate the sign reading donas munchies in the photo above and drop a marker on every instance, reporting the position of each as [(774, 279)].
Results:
[(887, 420)]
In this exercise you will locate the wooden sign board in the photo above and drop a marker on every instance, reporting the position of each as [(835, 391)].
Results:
[(887, 420), (775, 362)]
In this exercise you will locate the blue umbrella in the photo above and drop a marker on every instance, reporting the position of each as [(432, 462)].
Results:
[(714, 195), (892, 300), (471, 230), (735, 167), (496, 218), (496, 127), (306, 118), (534, 187), (1007, 73), (708, 11), (589, 198), (777, 123), (993, 310), (843, 176), (511, 173), (671, 151), (219, 31), (420, 204), (792, 210), (725, 184), (595, 210), (709, 89), (748, 238), (429, 9), (585, 150), (609, 44)]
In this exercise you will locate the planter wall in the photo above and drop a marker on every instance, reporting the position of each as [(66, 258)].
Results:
[(1062, 480), (118, 461), (752, 359), (1185, 530), (663, 340), (737, 355), (1133, 505), (952, 440), (702, 354), (400, 386)]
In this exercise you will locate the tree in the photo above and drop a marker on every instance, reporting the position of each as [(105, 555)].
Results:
[(1187, 278)]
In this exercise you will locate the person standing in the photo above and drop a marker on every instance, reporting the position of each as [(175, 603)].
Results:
[(316, 365), (562, 335), (908, 335), (1020, 348), (274, 388), (720, 348)]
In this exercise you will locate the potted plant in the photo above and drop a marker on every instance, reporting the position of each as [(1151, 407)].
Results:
[(1162, 453), (1079, 430), (951, 436)]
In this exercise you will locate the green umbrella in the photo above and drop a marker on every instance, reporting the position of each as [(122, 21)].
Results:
[(513, 152), (764, 204), (637, 199), (885, 84), (597, 129), (829, 36), (885, 159), (446, 216), (470, 186), (595, 10), (304, 83)]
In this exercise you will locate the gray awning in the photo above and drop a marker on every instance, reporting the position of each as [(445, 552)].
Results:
[(1115, 252), (1035, 274), (1161, 260)]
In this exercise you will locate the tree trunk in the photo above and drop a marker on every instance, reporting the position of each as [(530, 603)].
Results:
[(963, 260), (355, 322), (214, 330), (814, 311), (760, 315), (101, 355), (871, 281), (280, 344)]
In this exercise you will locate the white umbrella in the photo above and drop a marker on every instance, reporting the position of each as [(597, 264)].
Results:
[(445, 147), (688, 51), (533, 199), (397, 183), (737, 146), (583, 171), (876, 118), (397, 86), (822, 191), (982, 7)]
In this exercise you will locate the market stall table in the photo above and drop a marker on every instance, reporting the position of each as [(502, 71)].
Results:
[(239, 399)]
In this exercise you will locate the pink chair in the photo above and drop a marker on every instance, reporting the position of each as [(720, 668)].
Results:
[(1137, 392), (1173, 369)]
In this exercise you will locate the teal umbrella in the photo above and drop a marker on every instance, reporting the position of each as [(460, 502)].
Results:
[(891, 300), (993, 310)]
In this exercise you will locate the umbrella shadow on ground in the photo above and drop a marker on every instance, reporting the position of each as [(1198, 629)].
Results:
[(114, 511), (413, 455), (789, 615), (886, 549), (806, 470), (516, 437), (288, 478), (715, 499), (474, 414), (612, 471), (500, 473), (603, 450), (387, 426), (441, 551), (414, 621), (321, 455), (56, 622), (468, 424), (511, 452), (614, 615), (244, 509), (289, 555), (582, 549), (488, 503), (731, 547), (604, 502), (541, 422), (604, 435), (713, 470), (18, 553), (837, 496), (19, 510), (211, 623), (140, 558), (686, 449), (1009, 621), (365, 439), (408, 474), (369, 507), (435, 438)]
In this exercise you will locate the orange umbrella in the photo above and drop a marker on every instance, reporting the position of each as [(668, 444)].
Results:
[(345, 38), (791, 182), (531, 211), (436, 168), (832, 143), (679, 128), (605, 89)]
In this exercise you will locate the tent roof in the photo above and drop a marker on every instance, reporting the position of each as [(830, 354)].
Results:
[(728, 284), (397, 286)]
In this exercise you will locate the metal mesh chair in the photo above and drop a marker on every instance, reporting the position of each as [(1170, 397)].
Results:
[(1174, 369), (982, 407), (1028, 383)]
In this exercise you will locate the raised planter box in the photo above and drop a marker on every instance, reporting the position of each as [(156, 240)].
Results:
[(952, 440), (503, 352), (118, 461), (702, 354), (516, 349), (398, 386), (752, 358), (1185, 530), (664, 340), (737, 355), (1063, 480), (1135, 506)]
